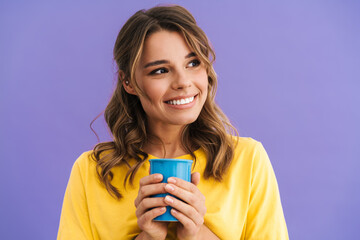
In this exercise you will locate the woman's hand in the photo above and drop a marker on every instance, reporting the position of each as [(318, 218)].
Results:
[(190, 212), (147, 208)]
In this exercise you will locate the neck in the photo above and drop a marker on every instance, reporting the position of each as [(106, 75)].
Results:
[(165, 141)]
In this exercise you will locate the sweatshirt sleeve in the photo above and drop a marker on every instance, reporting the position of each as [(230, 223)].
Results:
[(74, 220), (265, 218)]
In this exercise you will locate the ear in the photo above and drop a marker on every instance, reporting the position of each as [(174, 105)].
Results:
[(126, 83)]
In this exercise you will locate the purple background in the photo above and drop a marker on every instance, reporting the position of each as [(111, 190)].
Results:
[(289, 76)]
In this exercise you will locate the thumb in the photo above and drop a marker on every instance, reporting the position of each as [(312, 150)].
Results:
[(195, 178)]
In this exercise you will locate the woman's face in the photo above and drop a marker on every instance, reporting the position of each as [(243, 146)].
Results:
[(173, 80)]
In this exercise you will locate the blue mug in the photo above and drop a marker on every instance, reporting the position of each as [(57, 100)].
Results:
[(180, 168)]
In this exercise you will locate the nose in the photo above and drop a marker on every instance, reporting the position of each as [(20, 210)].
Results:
[(181, 80)]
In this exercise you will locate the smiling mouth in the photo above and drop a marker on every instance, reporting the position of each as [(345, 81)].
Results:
[(181, 101)]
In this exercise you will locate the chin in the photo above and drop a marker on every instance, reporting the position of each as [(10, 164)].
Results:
[(185, 121)]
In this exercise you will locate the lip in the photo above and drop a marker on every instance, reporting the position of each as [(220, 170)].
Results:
[(183, 106), (181, 97)]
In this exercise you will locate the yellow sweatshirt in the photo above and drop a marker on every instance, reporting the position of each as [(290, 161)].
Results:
[(245, 205)]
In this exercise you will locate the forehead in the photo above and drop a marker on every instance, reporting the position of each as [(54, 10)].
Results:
[(164, 45)]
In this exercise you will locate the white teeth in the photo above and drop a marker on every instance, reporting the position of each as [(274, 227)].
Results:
[(181, 101)]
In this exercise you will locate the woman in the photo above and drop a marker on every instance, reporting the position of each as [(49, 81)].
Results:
[(163, 106)]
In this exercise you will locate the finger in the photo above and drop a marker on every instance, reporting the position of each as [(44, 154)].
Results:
[(149, 203), (188, 186), (145, 219), (197, 200), (195, 178), (149, 190), (185, 221), (152, 189), (186, 209), (153, 178)]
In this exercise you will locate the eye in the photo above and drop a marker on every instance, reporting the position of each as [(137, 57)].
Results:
[(159, 71), (194, 63)]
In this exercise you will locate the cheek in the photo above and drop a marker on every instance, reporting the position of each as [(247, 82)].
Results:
[(204, 83), (153, 91)]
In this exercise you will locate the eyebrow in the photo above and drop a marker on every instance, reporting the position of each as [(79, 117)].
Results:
[(159, 62)]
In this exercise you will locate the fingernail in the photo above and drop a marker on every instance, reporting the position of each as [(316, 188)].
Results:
[(169, 188), (169, 199), (174, 211), (157, 176), (171, 180)]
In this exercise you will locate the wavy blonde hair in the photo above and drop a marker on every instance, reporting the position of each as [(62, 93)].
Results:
[(126, 118)]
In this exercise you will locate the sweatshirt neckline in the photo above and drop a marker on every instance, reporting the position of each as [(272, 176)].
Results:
[(185, 156)]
